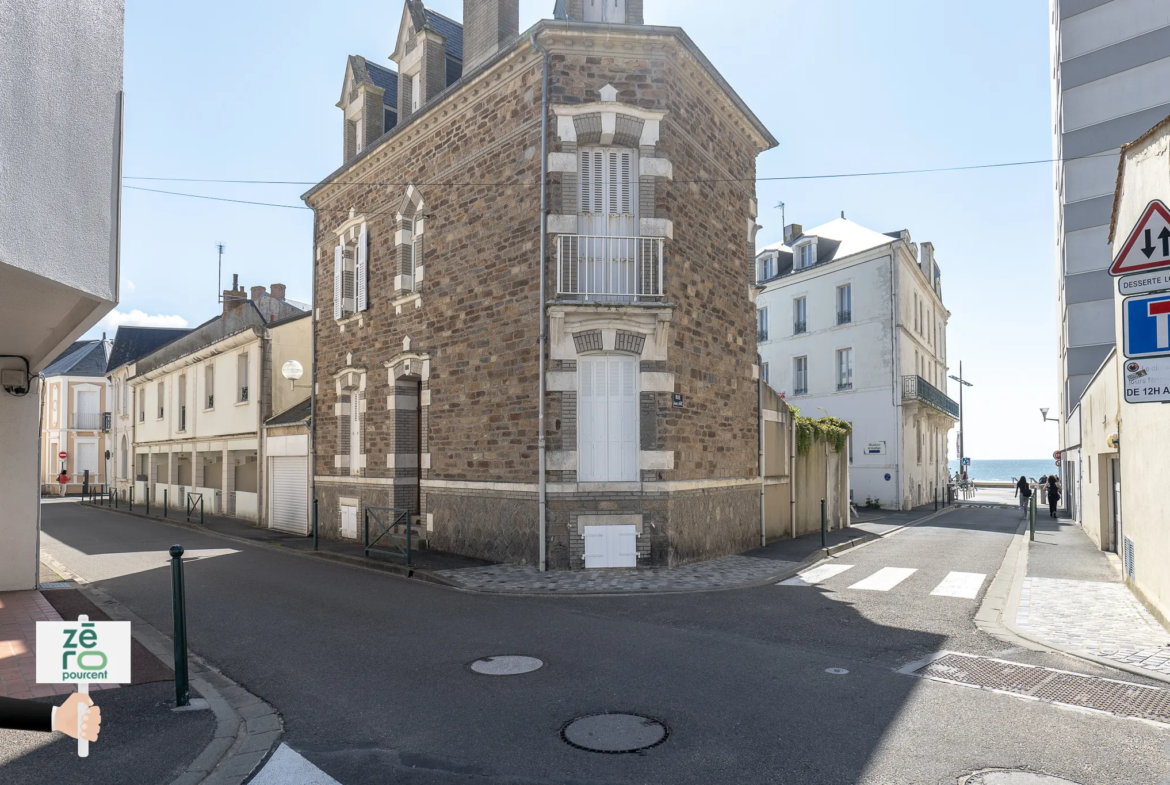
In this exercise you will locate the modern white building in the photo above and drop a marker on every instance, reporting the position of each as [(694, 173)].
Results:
[(852, 324), (199, 404), (60, 208), (1110, 67)]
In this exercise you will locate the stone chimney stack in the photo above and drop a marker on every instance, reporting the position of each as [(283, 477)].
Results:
[(277, 291), (791, 232), (234, 297), (257, 293), (488, 26)]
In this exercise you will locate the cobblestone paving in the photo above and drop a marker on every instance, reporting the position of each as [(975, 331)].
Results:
[(1102, 619), (728, 572)]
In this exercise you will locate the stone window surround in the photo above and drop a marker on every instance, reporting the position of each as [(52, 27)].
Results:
[(571, 116), (411, 210), (410, 366), (652, 326), (348, 380), (347, 237)]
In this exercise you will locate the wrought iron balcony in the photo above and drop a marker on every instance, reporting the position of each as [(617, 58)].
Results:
[(761, 334), (844, 317), (799, 327), (609, 269), (844, 386), (85, 421), (915, 388)]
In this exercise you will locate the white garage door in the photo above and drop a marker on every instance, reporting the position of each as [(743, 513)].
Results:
[(611, 547), (290, 506)]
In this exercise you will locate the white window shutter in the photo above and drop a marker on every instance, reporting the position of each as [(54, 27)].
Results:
[(338, 290), (626, 189), (362, 270)]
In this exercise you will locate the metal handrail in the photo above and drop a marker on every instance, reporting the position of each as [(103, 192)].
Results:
[(595, 267), (85, 421), (915, 388), (194, 500), (398, 517)]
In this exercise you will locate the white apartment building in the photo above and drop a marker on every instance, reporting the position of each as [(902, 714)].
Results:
[(60, 212), (1110, 68), (852, 324), (75, 420), (199, 404)]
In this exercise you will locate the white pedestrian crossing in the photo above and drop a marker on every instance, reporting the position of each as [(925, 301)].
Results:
[(816, 575), (960, 584), (884, 579)]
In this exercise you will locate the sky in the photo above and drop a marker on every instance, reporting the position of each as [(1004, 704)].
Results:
[(247, 90)]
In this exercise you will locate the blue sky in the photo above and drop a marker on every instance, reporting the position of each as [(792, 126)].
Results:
[(246, 90)]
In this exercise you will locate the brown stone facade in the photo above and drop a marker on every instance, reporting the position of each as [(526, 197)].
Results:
[(463, 338)]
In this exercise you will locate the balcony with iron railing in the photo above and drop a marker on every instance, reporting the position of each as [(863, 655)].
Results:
[(844, 317), (761, 334), (915, 388), (609, 269), (85, 421), (799, 327)]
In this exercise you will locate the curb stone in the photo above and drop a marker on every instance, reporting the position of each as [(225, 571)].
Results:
[(818, 556), (247, 728), (997, 615)]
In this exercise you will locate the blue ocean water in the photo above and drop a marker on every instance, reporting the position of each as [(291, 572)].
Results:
[(1006, 471)]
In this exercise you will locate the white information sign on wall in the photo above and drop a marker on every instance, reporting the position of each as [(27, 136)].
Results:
[(1147, 381), (875, 448), (1144, 283)]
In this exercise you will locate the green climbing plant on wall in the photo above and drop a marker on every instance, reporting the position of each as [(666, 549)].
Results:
[(827, 429)]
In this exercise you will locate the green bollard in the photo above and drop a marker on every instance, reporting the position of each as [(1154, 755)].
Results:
[(147, 492), (314, 524), (1032, 519), (179, 613), (824, 527), (131, 499), (165, 502)]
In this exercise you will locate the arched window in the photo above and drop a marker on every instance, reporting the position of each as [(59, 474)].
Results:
[(411, 219)]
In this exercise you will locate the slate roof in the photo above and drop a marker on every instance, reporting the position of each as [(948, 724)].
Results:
[(837, 239), (82, 358), (297, 414), (387, 79), (133, 343), (449, 28)]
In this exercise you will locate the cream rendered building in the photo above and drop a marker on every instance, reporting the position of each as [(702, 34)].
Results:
[(75, 419), (199, 404)]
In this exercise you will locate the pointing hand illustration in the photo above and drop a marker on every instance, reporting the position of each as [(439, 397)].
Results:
[(65, 717)]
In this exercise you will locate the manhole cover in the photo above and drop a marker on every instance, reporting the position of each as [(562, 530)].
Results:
[(836, 671), (614, 733), (509, 665), (1014, 778)]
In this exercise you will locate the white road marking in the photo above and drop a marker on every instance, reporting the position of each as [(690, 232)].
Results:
[(884, 579), (287, 767), (816, 575), (960, 584)]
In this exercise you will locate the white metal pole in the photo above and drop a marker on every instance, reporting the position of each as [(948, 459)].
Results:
[(82, 689)]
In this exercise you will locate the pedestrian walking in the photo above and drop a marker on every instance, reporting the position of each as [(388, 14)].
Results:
[(1024, 492), (1053, 494)]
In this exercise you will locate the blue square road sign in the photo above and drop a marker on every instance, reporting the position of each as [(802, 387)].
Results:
[(1146, 323)]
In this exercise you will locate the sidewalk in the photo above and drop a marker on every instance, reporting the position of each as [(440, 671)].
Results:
[(1073, 596), (139, 732), (777, 561)]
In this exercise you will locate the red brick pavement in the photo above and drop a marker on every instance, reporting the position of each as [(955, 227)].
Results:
[(19, 613)]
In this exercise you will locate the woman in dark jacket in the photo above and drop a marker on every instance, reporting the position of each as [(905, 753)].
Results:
[(1053, 494), (1024, 491)]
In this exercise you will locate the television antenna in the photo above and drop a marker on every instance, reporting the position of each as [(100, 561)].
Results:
[(220, 247)]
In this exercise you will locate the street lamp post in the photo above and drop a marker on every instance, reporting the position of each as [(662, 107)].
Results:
[(962, 436)]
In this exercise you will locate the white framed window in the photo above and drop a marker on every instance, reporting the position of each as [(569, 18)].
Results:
[(344, 282), (806, 255), (767, 269), (181, 402), (416, 92), (608, 191), (209, 386), (242, 378), (762, 325), (125, 397), (845, 304), (162, 397), (359, 134), (844, 369), (356, 432), (764, 373), (799, 315), (607, 418), (141, 394), (612, 11), (800, 376)]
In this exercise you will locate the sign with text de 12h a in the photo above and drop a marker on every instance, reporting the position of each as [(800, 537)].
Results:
[(75, 652), (1148, 245), (1146, 326), (1147, 381)]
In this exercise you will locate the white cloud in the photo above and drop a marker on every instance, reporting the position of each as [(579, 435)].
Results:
[(130, 284), (135, 318)]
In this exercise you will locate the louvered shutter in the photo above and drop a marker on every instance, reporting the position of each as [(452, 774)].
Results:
[(362, 270), (338, 290)]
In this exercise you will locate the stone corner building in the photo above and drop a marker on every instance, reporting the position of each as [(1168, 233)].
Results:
[(429, 309)]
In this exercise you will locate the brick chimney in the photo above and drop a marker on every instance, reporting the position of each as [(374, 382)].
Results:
[(277, 291), (235, 296), (257, 293), (488, 26)]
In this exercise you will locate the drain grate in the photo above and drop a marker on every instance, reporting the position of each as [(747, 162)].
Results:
[(1047, 684)]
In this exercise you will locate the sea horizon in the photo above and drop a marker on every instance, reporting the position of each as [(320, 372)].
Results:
[(1006, 469)]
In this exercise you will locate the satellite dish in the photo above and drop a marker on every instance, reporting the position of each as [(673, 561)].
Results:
[(292, 370)]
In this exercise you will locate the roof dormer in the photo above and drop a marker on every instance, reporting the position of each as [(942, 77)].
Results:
[(614, 12), (429, 54), (369, 101)]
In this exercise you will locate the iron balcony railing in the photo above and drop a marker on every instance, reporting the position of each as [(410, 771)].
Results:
[(844, 385), (609, 269), (844, 317), (915, 388), (801, 390), (761, 334), (85, 421), (799, 327)]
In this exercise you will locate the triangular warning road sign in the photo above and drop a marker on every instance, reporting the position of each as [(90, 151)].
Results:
[(1148, 245)]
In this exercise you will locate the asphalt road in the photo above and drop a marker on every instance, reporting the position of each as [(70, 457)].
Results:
[(370, 672)]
